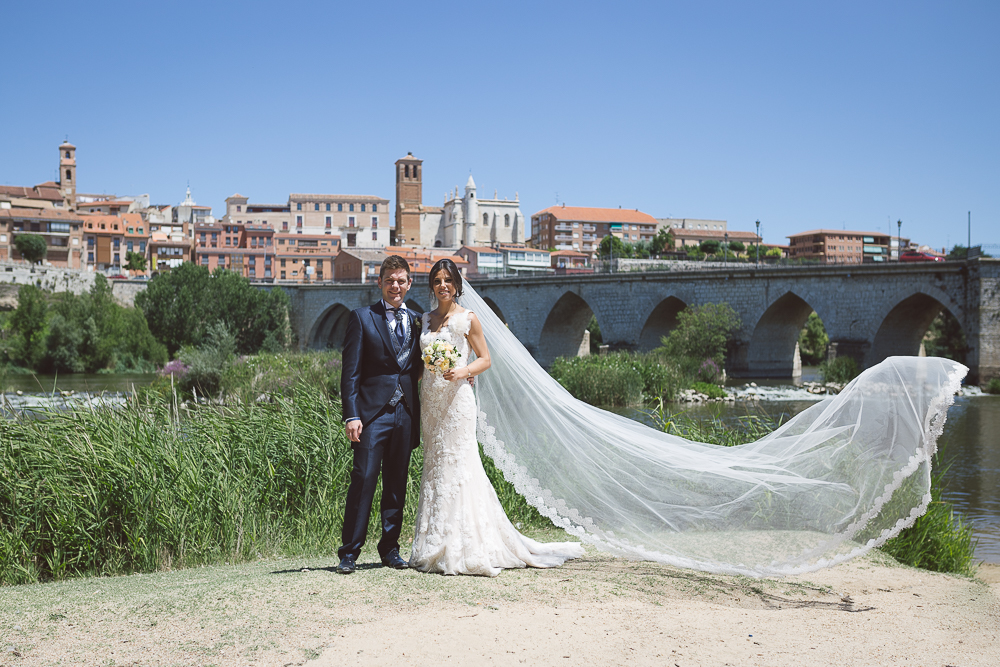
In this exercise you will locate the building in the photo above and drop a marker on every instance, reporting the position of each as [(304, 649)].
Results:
[(570, 261), (366, 217), (462, 219), (582, 228), (482, 260), (109, 238), (422, 259), (60, 228), (357, 265), (673, 224), (305, 258), (838, 246)]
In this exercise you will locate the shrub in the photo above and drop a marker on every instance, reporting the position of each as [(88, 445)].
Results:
[(709, 372), (710, 390), (248, 378), (608, 379), (32, 247), (207, 363), (840, 371), (993, 386), (702, 332), (813, 341)]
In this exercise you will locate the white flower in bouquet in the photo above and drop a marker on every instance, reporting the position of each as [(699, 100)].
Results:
[(440, 357)]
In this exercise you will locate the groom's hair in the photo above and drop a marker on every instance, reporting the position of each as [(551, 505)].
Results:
[(393, 263), (451, 269)]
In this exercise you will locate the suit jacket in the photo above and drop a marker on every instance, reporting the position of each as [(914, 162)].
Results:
[(371, 369)]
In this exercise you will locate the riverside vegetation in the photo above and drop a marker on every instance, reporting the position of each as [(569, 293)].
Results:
[(235, 453)]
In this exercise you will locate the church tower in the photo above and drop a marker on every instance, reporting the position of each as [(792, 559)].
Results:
[(471, 212), (67, 174), (409, 199)]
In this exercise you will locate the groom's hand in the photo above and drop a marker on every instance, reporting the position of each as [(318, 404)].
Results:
[(354, 430)]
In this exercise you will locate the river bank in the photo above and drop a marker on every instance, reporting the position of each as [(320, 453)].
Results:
[(595, 610)]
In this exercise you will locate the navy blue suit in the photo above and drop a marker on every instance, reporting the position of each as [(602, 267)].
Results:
[(375, 365)]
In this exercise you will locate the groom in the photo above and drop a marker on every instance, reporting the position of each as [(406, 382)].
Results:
[(381, 412)]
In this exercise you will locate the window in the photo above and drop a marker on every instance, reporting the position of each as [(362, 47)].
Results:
[(315, 207), (340, 207), (298, 221), (222, 259), (282, 266), (204, 260), (67, 154), (328, 207), (350, 207), (284, 225), (128, 246), (374, 236), (69, 175), (229, 240), (350, 221), (282, 275), (117, 261), (329, 222), (118, 244), (298, 207), (90, 241), (406, 170), (486, 219), (142, 247), (375, 206), (90, 257), (352, 240), (239, 209), (506, 221), (374, 222)]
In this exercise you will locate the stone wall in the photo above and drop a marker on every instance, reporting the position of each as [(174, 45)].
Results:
[(46, 277)]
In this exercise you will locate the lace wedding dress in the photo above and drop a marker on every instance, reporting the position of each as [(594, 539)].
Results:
[(461, 527)]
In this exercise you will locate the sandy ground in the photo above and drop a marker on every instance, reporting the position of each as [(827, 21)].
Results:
[(597, 610)]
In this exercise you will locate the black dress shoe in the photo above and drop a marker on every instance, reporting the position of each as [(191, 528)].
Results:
[(346, 565), (394, 560)]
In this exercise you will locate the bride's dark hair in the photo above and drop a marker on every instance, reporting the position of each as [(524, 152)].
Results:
[(449, 267)]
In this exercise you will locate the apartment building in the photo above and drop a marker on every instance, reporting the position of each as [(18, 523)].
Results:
[(366, 217), (838, 246), (582, 228), (60, 228), (305, 258)]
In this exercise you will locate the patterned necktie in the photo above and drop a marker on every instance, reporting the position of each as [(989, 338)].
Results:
[(400, 333)]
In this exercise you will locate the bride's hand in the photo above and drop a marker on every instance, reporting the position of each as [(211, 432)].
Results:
[(457, 374)]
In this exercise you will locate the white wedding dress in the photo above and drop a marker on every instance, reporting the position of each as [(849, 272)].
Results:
[(461, 527)]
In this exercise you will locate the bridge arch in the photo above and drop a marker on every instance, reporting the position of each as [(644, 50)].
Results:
[(660, 323), (329, 328), (902, 330), (564, 329), (495, 308), (772, 346)]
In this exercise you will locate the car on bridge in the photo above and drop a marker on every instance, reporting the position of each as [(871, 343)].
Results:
[(915, 256)]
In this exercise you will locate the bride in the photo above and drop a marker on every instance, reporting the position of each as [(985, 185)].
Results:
[(461, 527), (833, 482)]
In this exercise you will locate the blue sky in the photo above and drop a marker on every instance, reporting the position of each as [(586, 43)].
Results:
[(800, 114)]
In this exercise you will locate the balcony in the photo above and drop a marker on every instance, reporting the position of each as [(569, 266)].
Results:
[(563, 228), (590, 228), (563, 238)]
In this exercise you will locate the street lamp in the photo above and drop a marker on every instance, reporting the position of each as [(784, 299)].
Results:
[(758, 243), (899, 240), (725, 251)]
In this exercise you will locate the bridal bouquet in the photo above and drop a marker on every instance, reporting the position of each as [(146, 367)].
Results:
[(440, 357)]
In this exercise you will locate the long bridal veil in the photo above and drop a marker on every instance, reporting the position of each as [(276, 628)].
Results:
[(837, 480)]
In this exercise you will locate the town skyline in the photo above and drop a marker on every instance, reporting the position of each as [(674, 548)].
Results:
[(803, 118)]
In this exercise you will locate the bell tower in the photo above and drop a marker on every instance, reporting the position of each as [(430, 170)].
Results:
[(67, 174), (409, 199)]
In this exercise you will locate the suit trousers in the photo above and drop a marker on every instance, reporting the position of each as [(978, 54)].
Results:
[(385, 443)]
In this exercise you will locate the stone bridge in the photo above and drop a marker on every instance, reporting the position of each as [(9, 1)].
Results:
[(870, 311)]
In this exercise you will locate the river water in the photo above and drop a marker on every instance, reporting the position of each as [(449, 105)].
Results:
[(971, 439)]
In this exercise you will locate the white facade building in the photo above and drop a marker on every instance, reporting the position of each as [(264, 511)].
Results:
[(469, 220)]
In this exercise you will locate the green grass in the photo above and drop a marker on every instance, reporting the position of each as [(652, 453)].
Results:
[(993, 386), (841, 370), (156, 485), (710, 390), (618, 378)]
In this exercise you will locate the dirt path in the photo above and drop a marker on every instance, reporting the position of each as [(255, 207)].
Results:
[(597, 610)]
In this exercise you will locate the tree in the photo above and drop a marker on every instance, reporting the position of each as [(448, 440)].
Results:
[(663, 241), (945, 338), (611, 243), (31, 246), (28, 327), (813, 341), (181, 305), (709, 246), (961, 252), (773, 252), (702, 332), (737, 246), (135, 261)]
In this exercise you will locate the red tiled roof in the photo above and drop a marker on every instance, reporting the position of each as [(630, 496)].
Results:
[(585, 214), (712, 233), (838, 232), (44, 191), (481, 249), (568, 253), (59, 214)]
